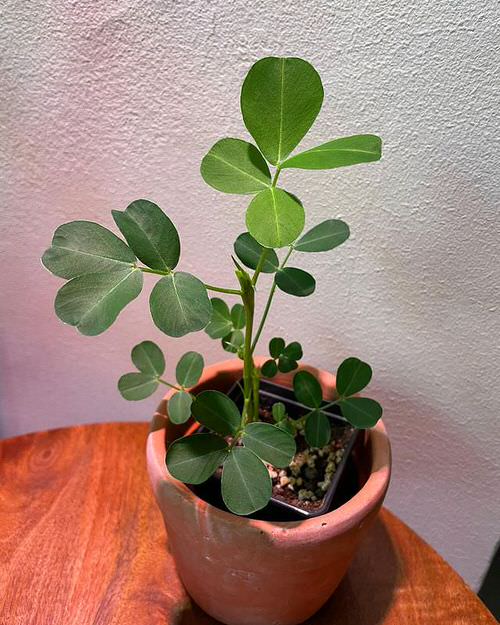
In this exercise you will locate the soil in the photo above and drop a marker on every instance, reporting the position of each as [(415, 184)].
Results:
[(305, 481)]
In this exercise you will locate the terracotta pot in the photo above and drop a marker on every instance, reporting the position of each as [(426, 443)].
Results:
[(247, 572)]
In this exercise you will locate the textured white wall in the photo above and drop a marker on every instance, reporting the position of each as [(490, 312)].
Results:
[(104, 102)]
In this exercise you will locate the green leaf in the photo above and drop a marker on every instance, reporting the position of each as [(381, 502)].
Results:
[(148, 358), (179, 304), (189, 369), (280, 100), (93, 301), (136, 386), (323, 237), (150, 233), (285, 364), (293, 350), (361, 412), (269, 369), (217, 412), (193, 459), (276, 346), (279, 411), (338, 153), (307, 389), (270, 443), (317, 429), (246, 484), (352, 376), (275, 218), (238, 316), (235, 166), (295, 281), (81, 247), (179, 407), (233, 341), (221, 323), (248, 251)]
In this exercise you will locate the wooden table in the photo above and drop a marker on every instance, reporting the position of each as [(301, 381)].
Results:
[(82, 543)]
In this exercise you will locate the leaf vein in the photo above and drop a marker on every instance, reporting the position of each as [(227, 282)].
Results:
[(263, 184), (107, 294), (150, 242), (77, 251), (282, 90)]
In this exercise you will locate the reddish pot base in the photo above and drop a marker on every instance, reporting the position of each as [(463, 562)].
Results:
[(248, 572)]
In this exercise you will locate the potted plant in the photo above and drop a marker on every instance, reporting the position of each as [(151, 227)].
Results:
[(259, 436)]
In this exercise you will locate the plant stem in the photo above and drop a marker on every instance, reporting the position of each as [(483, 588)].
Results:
[(219, 289), (332, 403), (264, 316), (255, 392), (260, 264), (177, 388), (210, 287), (155, 271), (276, 175), (248, 298), (269, 302)]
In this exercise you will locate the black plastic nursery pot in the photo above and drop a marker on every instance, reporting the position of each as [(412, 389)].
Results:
[(343, 485)]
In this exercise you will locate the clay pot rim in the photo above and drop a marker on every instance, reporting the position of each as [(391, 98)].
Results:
[(351, 514)]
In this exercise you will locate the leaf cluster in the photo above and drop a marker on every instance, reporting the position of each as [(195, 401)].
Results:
[(150, 362), (103, 273), (280, 100), (243, 449), (353, 375), (227, 324), (284, 357)]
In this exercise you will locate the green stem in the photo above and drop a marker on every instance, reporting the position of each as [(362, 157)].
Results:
[(155, 271), (177, 388), (264, 316), (248, 298), (210, 287), (219, 289), (268, 303), (276, 175), (260, 264), (255, 392), (332, 403)]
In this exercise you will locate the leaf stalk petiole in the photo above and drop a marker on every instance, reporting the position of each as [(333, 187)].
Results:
[(220, 289)]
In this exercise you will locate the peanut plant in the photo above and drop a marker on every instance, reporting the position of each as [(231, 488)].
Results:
[(280, 100)]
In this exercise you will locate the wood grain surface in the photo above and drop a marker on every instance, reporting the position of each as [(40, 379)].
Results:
[(82, 543)]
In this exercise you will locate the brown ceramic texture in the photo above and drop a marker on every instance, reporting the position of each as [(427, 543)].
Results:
[(249, 572)]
